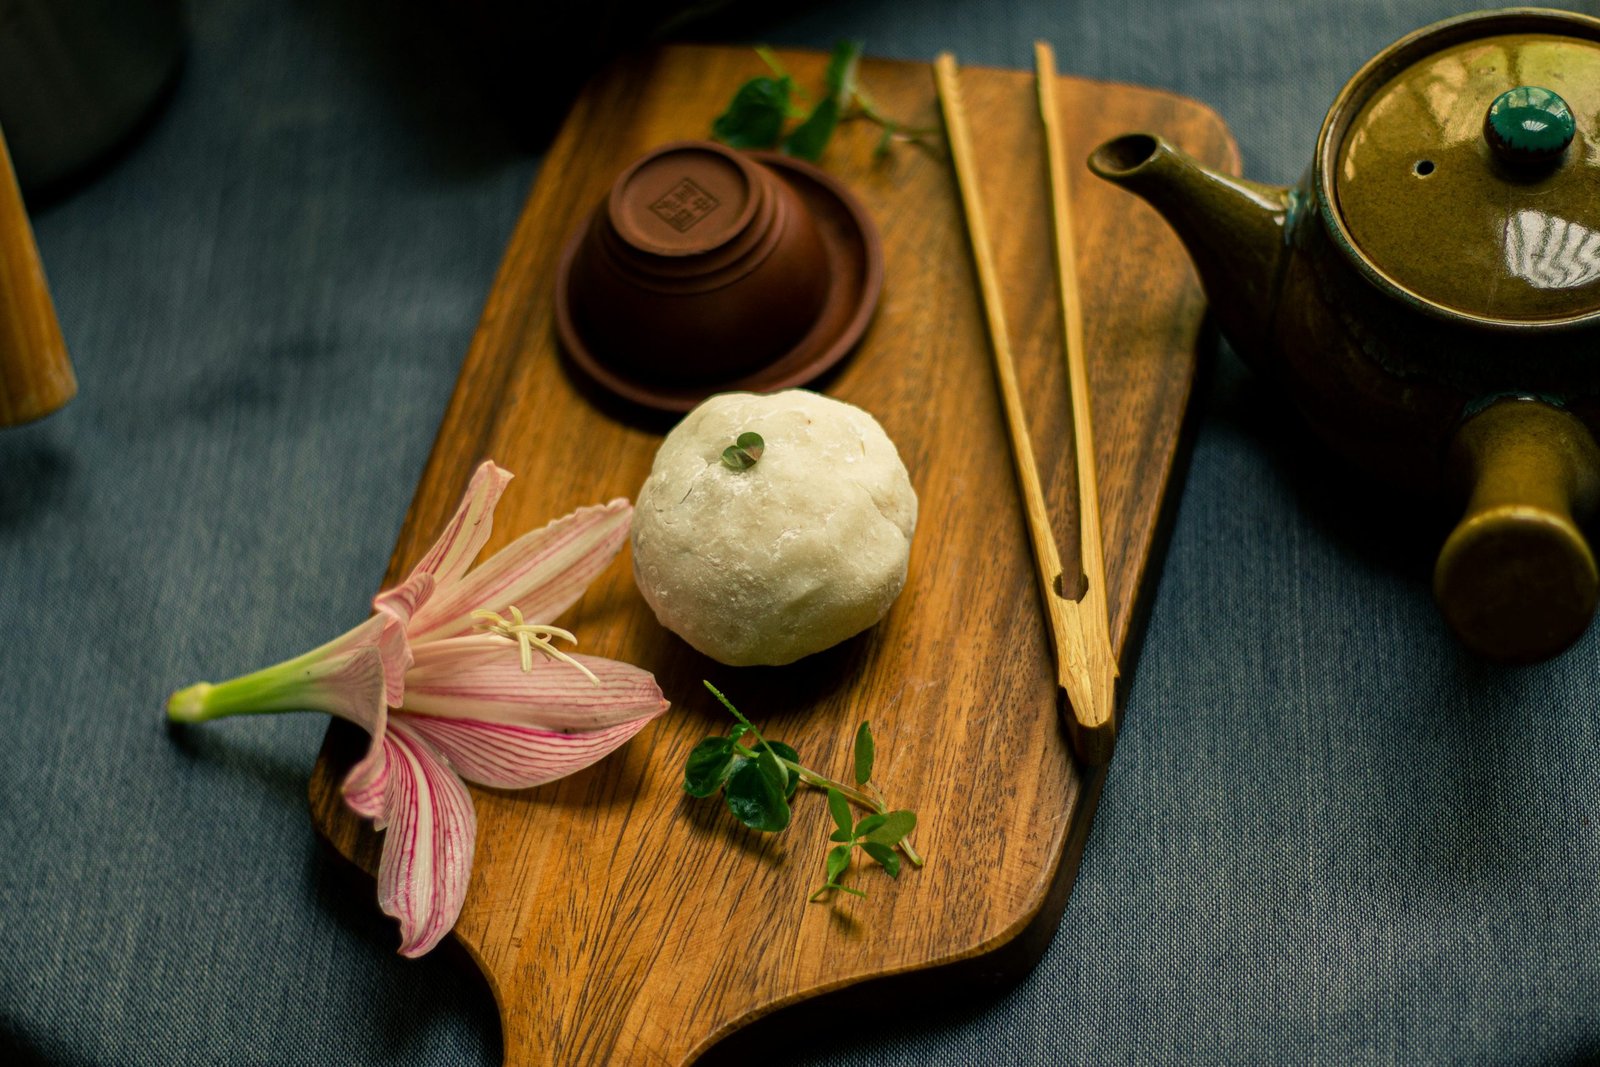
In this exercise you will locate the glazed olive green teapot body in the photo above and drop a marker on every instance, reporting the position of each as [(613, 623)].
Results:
[(1429, 297)]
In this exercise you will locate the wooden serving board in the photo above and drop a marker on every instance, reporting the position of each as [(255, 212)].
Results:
[(618, 920)]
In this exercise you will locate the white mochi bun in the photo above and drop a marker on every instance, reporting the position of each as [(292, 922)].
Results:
[(783, 559)]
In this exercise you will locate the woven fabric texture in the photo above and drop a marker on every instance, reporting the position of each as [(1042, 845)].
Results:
[(1328, 835)]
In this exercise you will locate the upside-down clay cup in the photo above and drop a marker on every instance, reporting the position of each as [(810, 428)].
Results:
[(701, 265)]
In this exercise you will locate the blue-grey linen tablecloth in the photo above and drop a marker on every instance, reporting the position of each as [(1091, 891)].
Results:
[(1328, 836)]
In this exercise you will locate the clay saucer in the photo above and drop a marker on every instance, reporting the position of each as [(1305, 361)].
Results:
[(854, 254)]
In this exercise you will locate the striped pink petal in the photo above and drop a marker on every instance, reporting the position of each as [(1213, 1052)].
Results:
[(366, 786), (361, 685), (396, 653), (349, 684), (468, 530), (427, 848), (554, 695), (508, 756), (542, 572), (397, 606)]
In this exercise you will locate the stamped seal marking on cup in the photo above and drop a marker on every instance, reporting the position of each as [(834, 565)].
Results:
[(685, 204), (686, 200)]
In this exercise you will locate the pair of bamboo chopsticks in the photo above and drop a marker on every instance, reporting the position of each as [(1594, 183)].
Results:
[(1080, 630)]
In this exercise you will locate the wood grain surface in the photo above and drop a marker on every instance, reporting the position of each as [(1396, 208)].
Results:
[(616, 919)]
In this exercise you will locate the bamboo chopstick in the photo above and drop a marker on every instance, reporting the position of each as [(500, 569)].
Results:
[(1097, 680), (1083, 663)]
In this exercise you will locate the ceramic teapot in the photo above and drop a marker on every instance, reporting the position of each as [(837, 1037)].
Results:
[(1429, 296)]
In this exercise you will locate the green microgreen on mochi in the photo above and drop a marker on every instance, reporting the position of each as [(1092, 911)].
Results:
[(763, 107), (759, 780), (743, 453)]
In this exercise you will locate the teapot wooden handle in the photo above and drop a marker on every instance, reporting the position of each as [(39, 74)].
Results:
[(35, 373), (1516, 579)]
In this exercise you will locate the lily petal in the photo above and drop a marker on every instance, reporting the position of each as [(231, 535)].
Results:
[(397, 659), (471, 685), (427, 848), (403, 601), (349, 685), (468, 530), (543, 572), (509, 756), (366, 786)]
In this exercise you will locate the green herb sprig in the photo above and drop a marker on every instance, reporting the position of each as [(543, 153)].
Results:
[(744, 452), (763, 107), (758, 780)]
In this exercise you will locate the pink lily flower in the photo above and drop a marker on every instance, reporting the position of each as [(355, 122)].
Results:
[(450, 688)]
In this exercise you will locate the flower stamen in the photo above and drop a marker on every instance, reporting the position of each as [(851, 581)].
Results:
[(530, 636)]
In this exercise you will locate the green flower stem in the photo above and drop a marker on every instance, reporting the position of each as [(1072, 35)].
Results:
[(281, 687)]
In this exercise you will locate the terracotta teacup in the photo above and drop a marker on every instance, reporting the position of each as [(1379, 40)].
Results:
[(701, 265)]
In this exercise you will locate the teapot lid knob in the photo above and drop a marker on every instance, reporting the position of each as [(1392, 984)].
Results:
[(1529, 126)]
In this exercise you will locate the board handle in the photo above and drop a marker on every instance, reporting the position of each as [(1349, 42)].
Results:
[(35, 371), (1516, 579)]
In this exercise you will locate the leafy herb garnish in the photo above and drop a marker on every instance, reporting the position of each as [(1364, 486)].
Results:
[(758, 781), (763, 106), (745, 450), (756, 115)]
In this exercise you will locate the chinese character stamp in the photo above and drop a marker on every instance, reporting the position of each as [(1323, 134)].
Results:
[(684, 205)]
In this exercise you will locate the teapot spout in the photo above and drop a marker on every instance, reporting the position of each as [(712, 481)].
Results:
[(1236, 231)]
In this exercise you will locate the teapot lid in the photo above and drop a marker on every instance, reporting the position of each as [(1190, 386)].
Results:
[(1464, 163)]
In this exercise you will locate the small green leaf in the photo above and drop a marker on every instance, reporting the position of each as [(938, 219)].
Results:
[(841, 835), (895, 825), (743, 454), (738, 732), (887, 857), (838, 861), (869, 824), (839, 808), (755, 116), (756, 799), (783, 751), (708, 766), (807, 140), (775, 771), (841, 76), (865, 750), (752, 443), (787, 752)]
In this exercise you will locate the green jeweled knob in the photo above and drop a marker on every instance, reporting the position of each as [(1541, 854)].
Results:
[(1529, 125)]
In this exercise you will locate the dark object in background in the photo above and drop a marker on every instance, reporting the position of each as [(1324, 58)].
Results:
[(35, 374), (536, 56), (77, 76)]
